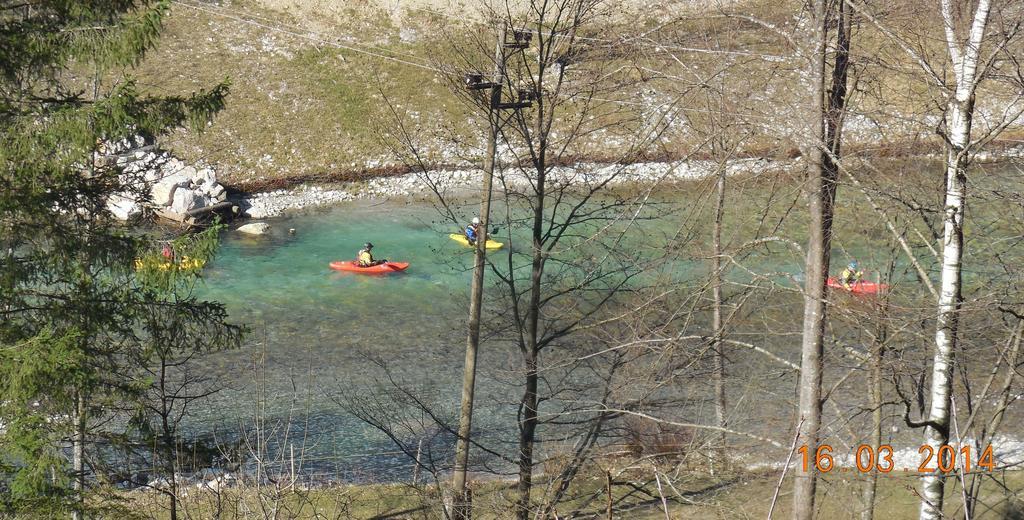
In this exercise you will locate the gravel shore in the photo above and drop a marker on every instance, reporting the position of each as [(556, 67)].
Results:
[(454, 182)]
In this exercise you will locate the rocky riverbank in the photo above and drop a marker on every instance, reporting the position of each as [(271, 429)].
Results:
[(155, 181), (175, 188)]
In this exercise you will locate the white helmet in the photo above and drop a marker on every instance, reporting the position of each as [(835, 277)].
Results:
[(476, 220)]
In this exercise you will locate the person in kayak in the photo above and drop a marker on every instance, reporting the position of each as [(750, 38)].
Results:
[(850, 275), (364, 258), (472, 230)]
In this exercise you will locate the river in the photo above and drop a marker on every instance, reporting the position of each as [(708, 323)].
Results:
[(320, 339), (316, 334)]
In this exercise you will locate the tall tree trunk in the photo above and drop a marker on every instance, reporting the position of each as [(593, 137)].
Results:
[(168, 441), (959, 115), (820, 189), (78, 457), (875, 382), (527, 432), (937, 431), (528, 420), (718, 369), (875, 392)]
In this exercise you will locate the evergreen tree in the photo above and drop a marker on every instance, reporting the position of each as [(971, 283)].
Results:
[(177, 329), (73, 308)]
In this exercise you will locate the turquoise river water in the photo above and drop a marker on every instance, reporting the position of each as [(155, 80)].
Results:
[(319, 338)]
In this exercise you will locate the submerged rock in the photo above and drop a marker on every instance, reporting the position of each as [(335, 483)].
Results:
[(255, 228)]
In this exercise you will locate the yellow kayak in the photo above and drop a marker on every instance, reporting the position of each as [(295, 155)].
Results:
[(491, 244)]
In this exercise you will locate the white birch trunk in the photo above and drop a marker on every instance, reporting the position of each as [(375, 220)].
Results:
[(959, 113)]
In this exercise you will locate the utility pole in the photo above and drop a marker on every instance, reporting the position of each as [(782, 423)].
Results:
[(461, 507)]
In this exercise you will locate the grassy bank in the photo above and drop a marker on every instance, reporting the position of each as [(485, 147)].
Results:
[(314, 98), (634, 495)]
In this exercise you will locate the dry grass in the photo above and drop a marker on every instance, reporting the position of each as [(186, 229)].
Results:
[(739, 496), (302, 109)]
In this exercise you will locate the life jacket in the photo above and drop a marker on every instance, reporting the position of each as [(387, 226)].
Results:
[(364, 257), (471, 232), (849, 275)]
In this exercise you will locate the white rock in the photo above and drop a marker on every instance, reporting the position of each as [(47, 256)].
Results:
[(205, 176), (188, 171), (172, 166), (163, 192), (184, 200), (180, 179), (255, 228)]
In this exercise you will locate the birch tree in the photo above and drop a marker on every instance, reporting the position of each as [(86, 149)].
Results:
[(964, 57), (969, 57)]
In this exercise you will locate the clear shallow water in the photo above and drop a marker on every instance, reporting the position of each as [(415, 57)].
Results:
[(319, 337), (317, 331)]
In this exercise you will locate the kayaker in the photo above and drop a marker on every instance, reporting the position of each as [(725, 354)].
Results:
[(364, 258), (471, 231), (850, 275)]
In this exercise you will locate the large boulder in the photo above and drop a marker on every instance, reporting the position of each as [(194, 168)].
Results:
[(255, 228), (184, 200), (163, 191)]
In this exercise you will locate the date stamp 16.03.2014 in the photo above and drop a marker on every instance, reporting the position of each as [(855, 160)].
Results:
[(867, 459)]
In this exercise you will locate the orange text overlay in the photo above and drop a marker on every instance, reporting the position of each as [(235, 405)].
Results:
[(944, 459)]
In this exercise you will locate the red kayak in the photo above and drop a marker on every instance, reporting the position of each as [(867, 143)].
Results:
[(861, 287), (353, 267)]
